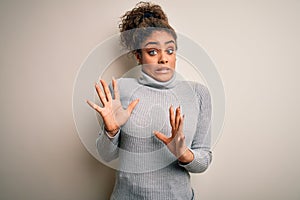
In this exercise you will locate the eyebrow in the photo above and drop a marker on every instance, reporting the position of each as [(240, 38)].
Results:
[(168, 42)]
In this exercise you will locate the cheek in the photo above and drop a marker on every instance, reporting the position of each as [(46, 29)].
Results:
[(173, 62), (149, 59)]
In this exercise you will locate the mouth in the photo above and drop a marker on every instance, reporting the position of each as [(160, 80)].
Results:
[(163, 70)]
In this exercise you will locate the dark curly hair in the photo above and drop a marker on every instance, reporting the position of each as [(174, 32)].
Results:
[(139, 23)]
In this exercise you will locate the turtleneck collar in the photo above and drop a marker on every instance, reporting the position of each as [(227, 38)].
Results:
[(147, 80)]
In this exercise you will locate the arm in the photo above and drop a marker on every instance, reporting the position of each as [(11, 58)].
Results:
[(107, 146), (200, 147), (113, 116), (197, 158)]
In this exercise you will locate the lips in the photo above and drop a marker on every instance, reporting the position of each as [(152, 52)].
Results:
[(162, 70)]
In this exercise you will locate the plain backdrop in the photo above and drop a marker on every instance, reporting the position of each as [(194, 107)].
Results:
[(254, 44)]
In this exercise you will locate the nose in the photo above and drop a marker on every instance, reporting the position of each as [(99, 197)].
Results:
[(163, 58)]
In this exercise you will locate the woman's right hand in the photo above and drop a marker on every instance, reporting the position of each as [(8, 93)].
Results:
[(112, 112)]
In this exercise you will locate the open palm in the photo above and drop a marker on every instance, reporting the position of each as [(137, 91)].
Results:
[(112, 112), (175, 143)]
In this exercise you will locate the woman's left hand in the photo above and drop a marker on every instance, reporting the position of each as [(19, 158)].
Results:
[(176, 143)]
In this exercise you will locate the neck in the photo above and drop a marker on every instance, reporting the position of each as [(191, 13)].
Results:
[(147, 80)]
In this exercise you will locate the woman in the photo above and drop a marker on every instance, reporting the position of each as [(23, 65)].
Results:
[(156, 144)]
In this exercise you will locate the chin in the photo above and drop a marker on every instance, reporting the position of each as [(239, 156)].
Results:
[(163, 78)]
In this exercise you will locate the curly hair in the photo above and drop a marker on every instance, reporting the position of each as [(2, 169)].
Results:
[(139, 23)]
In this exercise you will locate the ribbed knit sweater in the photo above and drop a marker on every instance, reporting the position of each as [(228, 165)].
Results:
[(147, 169)]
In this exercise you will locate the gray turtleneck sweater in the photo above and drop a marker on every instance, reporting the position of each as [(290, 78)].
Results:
[(147, 169)]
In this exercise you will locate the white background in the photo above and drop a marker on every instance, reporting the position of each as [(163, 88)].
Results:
[(254, 44)]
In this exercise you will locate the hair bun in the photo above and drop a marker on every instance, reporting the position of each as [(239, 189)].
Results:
[(143, 15), (148, 14), (138, 23)]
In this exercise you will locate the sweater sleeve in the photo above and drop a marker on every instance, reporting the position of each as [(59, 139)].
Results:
[(107, 146), (201, 143)]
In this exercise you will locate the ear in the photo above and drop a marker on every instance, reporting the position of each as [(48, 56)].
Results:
[(138, 57)]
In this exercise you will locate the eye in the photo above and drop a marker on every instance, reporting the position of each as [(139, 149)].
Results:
[(170, 51), (152, 52)]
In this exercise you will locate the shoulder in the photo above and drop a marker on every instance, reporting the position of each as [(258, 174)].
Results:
[(126, 80), (126, 83), (202, 93), (127, 86), (199, 89)]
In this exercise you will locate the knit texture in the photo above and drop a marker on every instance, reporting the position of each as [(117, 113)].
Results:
[(147, 169)]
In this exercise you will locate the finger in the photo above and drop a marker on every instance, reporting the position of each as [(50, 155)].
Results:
[(116, 89), (100, 94), (94, 106), (177, 118), (180, 128), (172, 117), (132, 106), (161, 137), (181, 146), (106, 90), (180, 137)]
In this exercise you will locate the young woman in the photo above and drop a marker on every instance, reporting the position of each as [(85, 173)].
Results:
[(156, 125)]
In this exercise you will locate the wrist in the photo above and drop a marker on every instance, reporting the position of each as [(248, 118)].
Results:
[(186, 157), (112, 131)]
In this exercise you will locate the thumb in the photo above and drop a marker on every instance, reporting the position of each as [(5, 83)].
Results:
[(161, 137), (132, 105)]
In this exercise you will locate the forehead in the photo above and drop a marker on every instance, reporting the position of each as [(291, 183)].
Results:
[(158, 38)]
